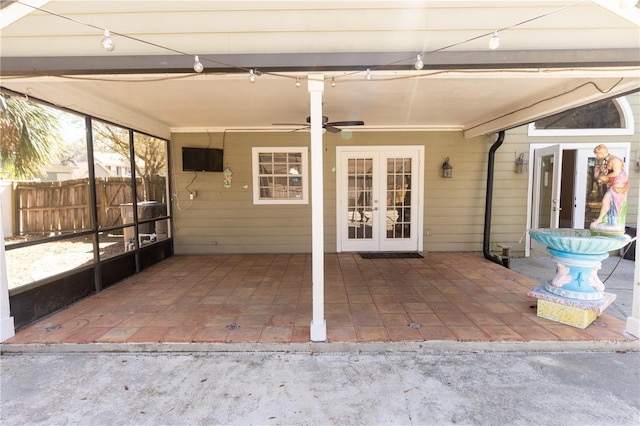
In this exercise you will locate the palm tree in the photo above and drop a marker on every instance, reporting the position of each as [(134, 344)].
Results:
[(29, 137)]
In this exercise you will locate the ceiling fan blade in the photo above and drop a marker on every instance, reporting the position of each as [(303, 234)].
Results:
[(346, 123), (331, 129)]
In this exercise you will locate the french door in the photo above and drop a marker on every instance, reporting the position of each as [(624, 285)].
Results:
[(578, 167), (546, 187), (379, 203), (546, 192)]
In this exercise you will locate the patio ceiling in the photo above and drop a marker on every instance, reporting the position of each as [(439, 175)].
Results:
[(554, 55)]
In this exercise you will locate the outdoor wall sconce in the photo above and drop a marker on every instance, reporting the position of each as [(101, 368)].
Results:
[(447, 169), (522, 165)]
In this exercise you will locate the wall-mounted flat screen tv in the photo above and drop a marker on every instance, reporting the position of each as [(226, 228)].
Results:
[(202, 160)]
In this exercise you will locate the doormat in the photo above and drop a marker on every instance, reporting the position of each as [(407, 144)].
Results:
[(390, 255)]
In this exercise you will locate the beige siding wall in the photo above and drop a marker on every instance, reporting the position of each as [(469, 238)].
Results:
[(223, 220)]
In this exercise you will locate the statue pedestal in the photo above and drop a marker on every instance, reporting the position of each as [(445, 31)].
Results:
[(575, 296), (576, 275), (573, 312)]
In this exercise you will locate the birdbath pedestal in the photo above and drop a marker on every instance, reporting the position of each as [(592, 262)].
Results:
[(575, 295)]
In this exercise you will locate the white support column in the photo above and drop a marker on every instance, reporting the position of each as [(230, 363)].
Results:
[(318, 322), (7, 329), (633, 322)]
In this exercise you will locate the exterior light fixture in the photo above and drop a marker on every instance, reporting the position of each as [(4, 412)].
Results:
[(494, 42), (447, 169), (107, 43), (253, 75), (197, 65), (368, 76), (333, 82), (297, 81), (419, 63), (522, 165)]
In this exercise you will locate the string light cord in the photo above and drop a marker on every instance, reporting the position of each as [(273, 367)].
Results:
[(333, 78), (139, 40), (427, 74), (526, 21), (588, 83), (123, 80), (604, 91), (494, 71), (622, 255)]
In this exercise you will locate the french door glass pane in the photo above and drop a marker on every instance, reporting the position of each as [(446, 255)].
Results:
[(546, 191), (595, 191), (398, 198), (360, 213)]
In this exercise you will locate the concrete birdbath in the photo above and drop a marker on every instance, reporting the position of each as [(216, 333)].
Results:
[(575, 295)]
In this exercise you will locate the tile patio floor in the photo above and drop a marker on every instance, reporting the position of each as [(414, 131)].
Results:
[(452, 296)]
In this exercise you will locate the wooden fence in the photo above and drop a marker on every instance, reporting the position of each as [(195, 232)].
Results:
[(63, 206)]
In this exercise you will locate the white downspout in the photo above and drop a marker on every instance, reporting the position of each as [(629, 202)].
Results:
[(7, 329), (633, 322), (318, 323)]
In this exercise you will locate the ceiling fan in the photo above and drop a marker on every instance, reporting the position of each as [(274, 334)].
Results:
[(331, 127)]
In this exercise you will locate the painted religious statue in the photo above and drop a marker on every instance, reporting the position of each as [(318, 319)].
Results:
[(611, 220)]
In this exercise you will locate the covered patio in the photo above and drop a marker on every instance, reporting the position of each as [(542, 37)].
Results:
[(426, 73), (267, 298)]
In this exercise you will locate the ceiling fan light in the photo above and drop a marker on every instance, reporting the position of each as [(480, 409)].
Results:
[(368, 76), (419, 63), (107, 43), (197, 65), (494, 42), (252, 76)]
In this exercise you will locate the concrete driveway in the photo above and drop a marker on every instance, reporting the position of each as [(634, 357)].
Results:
[(350, 388)]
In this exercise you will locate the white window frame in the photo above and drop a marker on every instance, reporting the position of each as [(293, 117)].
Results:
[(303, 151), (625, 112)]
